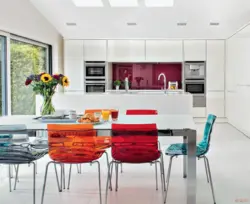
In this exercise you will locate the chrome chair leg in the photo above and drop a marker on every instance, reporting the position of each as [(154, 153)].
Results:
[(162, 179), (70, 167), (168, 176), (10, 178), (63, 175), (16, 179), (111, 172), (206, 169), (121, 168), (57, 178), (80, 167), (34, 182), (156, 176), (163, 171), (36, 166), (45, 179), (99, 178), (107, 158), (108, 180), (210, 178), (78, 171), (116, 175)]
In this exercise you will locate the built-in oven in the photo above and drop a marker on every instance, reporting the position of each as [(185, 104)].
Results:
[(95, 86), (198, 89), (195, 70), (95, 69)]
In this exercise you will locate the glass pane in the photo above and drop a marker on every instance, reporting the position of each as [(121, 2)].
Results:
[(1, 67), (26, 59)]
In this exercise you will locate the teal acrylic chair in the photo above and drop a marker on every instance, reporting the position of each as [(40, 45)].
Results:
[(179, 149)]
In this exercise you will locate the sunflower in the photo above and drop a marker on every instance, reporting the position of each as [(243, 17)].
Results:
[(65, 81), (46, 78)]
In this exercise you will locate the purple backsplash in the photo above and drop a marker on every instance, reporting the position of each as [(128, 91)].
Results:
[(145, 75)]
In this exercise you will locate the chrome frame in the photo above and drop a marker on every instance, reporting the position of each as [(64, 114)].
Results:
[(110, 171), (207, 168)]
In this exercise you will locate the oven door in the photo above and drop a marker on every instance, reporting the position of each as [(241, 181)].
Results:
[(95, 87), (195, 87), (95, 71)]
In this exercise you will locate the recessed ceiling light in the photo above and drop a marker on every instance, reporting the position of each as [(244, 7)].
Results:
[(214, 23), (159, 3), (123, 3), (131, 24), (71, 24), (181, 24), (88, 3)]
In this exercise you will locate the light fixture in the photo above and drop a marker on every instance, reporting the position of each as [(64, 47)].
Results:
[(131, 24), (181, 23), (159, 3), (88, 3), (71, 24), (214, 24), (123, 3)]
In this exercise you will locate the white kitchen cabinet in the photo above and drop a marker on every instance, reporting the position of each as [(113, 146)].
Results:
[(95, 50), (215, 65), (216, 103), (126, 50), (194, 50), (164, 51), (74, 64), (199, 112)]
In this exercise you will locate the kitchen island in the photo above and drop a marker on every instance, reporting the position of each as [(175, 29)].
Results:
[(169, 102)]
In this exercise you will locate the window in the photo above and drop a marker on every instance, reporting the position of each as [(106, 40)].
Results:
[(2, 75), (26, 57)]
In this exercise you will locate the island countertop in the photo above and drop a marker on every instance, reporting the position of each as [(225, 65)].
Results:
[(169, 102)]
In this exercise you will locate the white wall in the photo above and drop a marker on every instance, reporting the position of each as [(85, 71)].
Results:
[(238, 82), (20, 17)]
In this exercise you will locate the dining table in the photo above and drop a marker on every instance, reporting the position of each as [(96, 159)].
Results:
[(167, 125)]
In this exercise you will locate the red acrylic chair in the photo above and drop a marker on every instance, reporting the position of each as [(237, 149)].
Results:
[(141, 112), (135, 144), (72, 144)]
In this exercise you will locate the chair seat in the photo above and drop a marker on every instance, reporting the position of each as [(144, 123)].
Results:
[(181, 149), (135, 156)]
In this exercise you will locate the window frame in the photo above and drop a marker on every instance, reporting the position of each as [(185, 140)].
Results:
[(7, 71)]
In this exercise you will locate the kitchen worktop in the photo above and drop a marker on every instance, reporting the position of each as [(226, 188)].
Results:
[(169, 103)]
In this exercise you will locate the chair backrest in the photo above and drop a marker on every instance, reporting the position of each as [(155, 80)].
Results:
[(134, 143), (141, 112), (205, 143), (72, 143)]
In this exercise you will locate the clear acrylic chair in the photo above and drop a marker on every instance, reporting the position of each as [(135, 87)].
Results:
[(180, 149)]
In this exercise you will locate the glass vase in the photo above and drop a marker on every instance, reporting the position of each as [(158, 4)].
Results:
[(47, 107)]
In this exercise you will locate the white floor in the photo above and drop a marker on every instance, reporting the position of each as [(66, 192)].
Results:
[(230, 166)]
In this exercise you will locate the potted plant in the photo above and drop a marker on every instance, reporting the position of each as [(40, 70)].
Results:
[(117, 84)]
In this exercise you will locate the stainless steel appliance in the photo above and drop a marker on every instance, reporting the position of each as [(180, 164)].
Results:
[(95, 70), (195, 70), (95, 86), (197, 87)]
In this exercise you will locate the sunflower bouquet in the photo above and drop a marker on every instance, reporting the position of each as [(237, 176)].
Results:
[(45, 85)]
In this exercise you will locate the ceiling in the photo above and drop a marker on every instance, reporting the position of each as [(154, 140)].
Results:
[(152, 23)]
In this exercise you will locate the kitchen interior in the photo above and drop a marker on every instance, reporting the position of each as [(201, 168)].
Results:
[(150, 66)]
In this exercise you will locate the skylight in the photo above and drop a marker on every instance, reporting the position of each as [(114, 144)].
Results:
[(88, 3), (159, 3)]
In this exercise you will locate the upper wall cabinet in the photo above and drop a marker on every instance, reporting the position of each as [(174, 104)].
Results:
[(73, 64), (164, 51), (126, 50), (194, 50), (94, 50), (215, 65)]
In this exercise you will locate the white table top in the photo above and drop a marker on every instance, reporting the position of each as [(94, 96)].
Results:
[(173, 122)]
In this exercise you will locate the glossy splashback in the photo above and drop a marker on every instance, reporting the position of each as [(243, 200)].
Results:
[(145, 75)]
